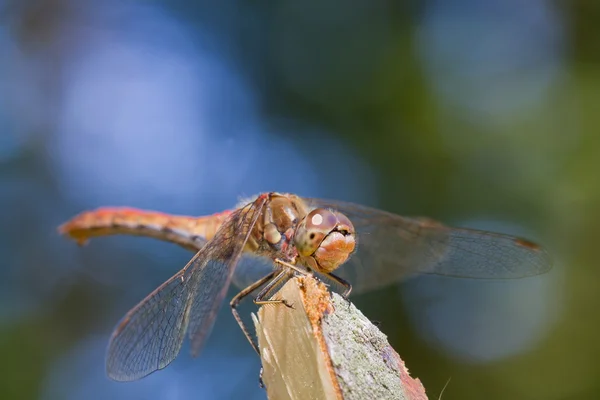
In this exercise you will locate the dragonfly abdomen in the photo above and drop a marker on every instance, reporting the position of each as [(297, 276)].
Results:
[(189, 232)]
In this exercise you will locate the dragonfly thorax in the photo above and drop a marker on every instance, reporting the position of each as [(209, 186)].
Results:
[(273, 233)]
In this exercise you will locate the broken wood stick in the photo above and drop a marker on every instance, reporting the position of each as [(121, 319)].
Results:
[(325, 348)]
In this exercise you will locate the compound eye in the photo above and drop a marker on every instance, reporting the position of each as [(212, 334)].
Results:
[(344, 226), (313, 229), (321, 220)]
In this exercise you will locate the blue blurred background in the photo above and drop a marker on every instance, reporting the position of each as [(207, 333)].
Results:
[(476, 113)]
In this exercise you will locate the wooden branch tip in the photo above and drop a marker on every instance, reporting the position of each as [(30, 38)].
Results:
[(323, 347)]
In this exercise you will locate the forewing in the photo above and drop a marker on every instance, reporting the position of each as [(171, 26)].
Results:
[(391, 248), (216, 270), (150, 336)]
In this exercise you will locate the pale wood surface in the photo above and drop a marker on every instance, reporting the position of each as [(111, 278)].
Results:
[(325, 348)]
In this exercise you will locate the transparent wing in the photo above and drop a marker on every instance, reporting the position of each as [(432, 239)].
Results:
[(250, 269), (391, 247), (225, 251), (150, 336)]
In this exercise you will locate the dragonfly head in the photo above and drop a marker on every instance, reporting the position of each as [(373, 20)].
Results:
[(325, 239)]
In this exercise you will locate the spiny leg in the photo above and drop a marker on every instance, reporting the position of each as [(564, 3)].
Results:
[(238, 298), (306, 272), (264, 292), (342, 282), (292, 267), (259, 300)]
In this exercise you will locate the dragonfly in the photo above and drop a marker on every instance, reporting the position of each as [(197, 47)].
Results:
[(356, 247)]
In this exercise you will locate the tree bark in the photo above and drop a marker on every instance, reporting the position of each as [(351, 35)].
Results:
[(325, 348)]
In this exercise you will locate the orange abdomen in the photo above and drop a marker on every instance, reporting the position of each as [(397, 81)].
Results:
[(189, 232)]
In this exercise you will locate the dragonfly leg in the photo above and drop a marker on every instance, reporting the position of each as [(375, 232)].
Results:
[(239, 297), (342, 282), (270, 280), (292, 267), (269, 287), (308, 271)]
